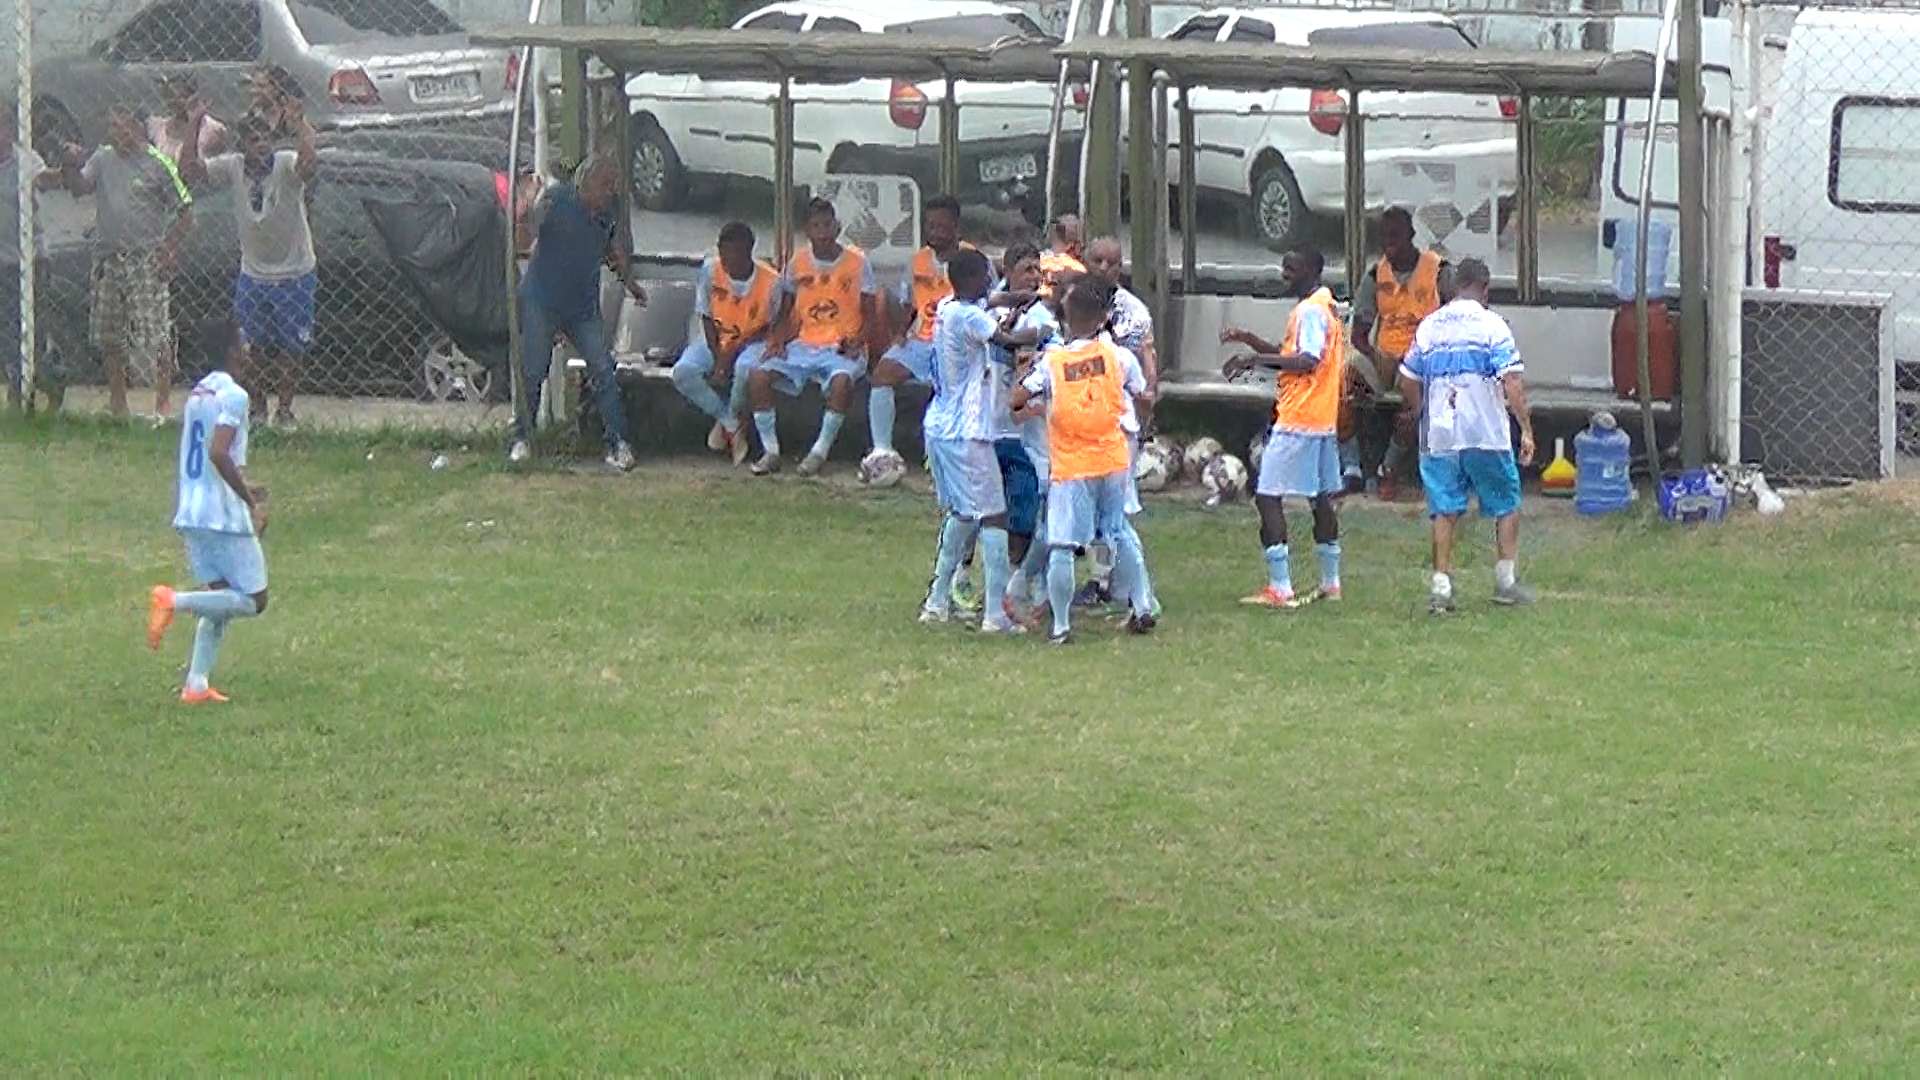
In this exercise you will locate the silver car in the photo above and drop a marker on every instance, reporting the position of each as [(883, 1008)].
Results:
[(361, 64)]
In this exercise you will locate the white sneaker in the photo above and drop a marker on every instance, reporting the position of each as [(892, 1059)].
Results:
[(935, 616), (621, 458), (811, 464), (519, 452), (717, 438), (1001, 626)]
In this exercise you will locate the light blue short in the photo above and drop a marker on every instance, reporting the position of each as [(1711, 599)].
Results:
[(818, 364), (1492, 476), (234, 558), (697, 361), (966, 478), (1302, 466), (916, 356), (1077, 509)]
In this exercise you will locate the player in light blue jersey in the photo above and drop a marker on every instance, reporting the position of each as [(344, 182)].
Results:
[(219, 515), (1022, 444), (962, 421)]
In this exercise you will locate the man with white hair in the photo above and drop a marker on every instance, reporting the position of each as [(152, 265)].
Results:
[(574, 229)]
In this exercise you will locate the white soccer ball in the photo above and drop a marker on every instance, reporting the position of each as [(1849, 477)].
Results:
[(1198, 453), (1176, 458), (882, 468), (1225, 479), (1152, 468)]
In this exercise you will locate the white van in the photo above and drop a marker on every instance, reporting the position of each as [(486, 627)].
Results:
[(1840, 182), (1624, 140)]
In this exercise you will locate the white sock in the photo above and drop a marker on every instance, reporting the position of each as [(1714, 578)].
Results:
[(1504, 573), (1442, 585)]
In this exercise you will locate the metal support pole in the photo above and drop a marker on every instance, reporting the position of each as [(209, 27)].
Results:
[(1100, 142), (1740, 225), (1189, 199), (573, 89), (1355, 216), (783, 172), (23, 128), (949, 141), (1055, 121), (1526, 202), (1693, 243), (1642, 224), (516, 373), (1159, 300)]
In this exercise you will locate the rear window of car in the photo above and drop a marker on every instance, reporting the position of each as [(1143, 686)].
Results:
[(1434, 37), (977, 27), (339, 22)]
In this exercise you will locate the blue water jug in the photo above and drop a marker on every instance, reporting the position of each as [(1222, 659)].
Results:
[(1602, 456), (1626, 241)]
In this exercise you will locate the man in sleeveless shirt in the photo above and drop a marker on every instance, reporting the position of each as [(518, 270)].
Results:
[(1405, 286), (915, 303), (734, 300)]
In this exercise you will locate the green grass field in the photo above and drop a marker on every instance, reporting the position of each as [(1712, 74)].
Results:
[(575, 773)]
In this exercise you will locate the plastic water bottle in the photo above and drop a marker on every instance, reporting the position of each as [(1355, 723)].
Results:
[(1602, 454), (1626, 241)]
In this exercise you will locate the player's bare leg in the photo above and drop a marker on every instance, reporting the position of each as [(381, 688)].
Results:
[(1441, 601), (1507, 590)]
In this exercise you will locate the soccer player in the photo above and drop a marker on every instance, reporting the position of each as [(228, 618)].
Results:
[(142, 214), (917, 301), (1130, 324), (962, 423), (1064, 248), (734, 301), (573, 226), (219, 515), (828, 312), (1406, 286), (1086, 383), (275, 293), (1021, 472), (1461, 379), (1302, 459)]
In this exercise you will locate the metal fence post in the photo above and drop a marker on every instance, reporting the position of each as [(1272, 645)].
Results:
[(23, 141)]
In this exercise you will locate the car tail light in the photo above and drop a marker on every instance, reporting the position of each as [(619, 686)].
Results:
[(513, 71), (352, 86), (1773, 253), (906, 105), (1081, 95), (1327, 111), (1509, 107)]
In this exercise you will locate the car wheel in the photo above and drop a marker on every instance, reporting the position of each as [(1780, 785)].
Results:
[(450, 375), (659, 180), (1276, 214), (54, 129)]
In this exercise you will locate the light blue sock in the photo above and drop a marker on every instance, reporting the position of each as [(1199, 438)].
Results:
[(693, 386), (207, 636), (993, 551), (829, 430), (219, 604), (1350, 457), (1035, 564), (956, 535), (1329, 564), (737, 394), (1060, 588), (880, 417), (1130, 570), (1278, 575), (763, 422)]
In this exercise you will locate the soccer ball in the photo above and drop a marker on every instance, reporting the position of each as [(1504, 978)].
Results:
[(882, 468), (1199, 452), (1176, 460), (1225, 479), (1152, 468)]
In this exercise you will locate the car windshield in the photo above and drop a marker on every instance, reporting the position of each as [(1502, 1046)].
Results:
[(1431, 37), (340, 22), (976, 27)]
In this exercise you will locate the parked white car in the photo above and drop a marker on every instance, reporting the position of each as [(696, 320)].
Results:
[(1279, 155), (686, 128)]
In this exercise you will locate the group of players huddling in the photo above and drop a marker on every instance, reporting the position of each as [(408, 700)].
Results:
[(1042, 370)]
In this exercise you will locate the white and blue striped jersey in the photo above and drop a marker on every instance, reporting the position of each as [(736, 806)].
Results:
[(206, 502), (967, 393), (1460, 355)]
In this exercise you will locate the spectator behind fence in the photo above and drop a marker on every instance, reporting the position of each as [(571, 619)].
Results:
[(273, 297), (573, 228), (142, 213), (11, 155), (180, 95)]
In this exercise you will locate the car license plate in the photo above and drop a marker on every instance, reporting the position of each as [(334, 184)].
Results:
[(456, 86), (999, 170)]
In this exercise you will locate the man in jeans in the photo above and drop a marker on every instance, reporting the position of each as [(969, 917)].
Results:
[(142, 214), (573, 228)]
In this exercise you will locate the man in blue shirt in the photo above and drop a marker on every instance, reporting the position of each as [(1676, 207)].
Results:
[(573, 228)]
